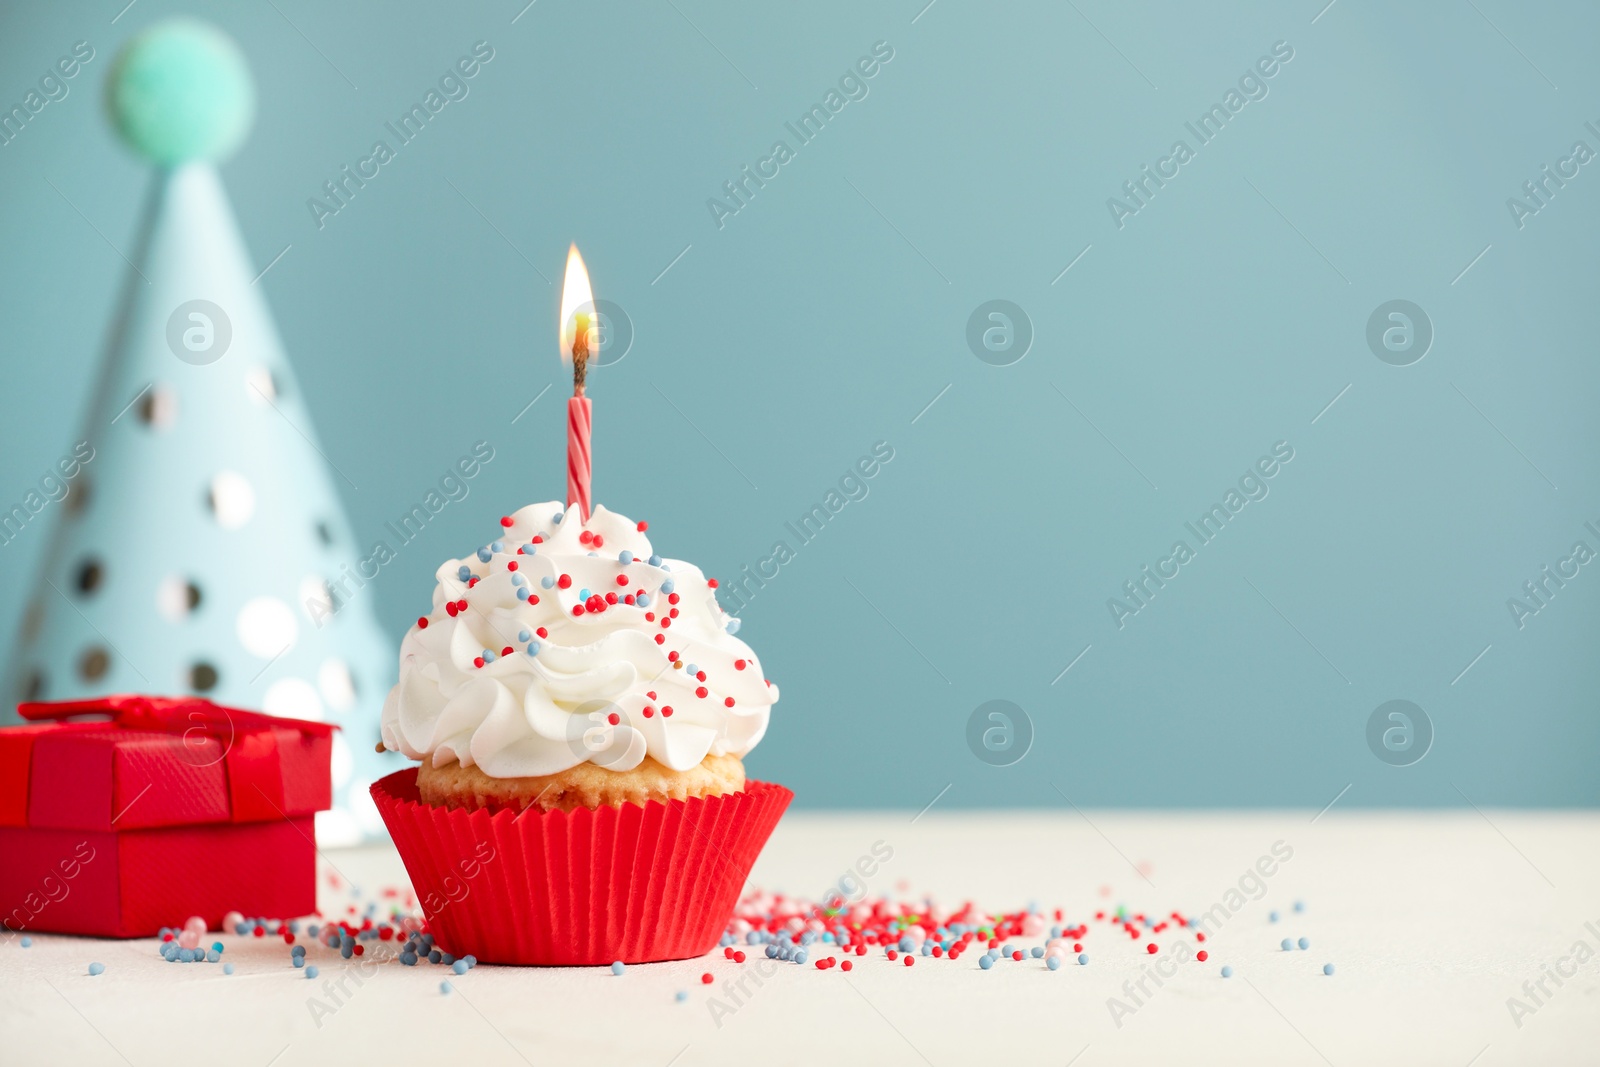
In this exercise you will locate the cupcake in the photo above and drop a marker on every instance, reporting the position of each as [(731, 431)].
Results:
[(580, 708)]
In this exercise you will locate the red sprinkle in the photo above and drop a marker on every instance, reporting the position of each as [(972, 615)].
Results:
[(910, 959), (643, 526), (422, 622), (613, 718), (506, 651), (738, 957), (666, 711), (705, 979), (511, 565), (739, 664), (727, 702), (622, 579), (505, 520), (1202, 955), (712, 582), (1017, 955), (577, 609), (1151, 948), (598, 540), (846, 965), (565, 581)]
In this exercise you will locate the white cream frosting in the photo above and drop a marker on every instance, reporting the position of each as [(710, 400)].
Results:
[(548, 704)]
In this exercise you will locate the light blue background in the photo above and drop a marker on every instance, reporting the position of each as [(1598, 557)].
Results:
[(822, 318)]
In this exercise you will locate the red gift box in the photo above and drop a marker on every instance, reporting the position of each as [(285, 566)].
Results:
[(159, 810)]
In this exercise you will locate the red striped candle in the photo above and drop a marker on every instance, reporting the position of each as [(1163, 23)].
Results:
[(577, 315), (578, 468)]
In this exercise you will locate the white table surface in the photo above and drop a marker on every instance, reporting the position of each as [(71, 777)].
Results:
[(1433, 920)]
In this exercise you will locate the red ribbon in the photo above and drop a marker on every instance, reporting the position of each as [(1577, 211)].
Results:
[(169, 715)]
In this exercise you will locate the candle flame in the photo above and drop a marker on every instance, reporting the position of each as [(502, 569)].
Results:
[(577, 308)]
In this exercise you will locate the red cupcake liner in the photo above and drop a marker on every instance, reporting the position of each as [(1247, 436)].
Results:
[(633, 883)]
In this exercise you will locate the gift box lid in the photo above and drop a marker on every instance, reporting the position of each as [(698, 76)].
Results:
[(157, 761)]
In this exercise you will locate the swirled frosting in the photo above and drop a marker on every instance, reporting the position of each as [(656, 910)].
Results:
[(564, 642)]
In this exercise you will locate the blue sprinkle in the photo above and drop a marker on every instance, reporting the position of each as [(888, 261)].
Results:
[(298, 950), (1299, 905), (1327, 968), (522, 594), (733, 625), (584, 594), (299, 961), (772, 952), (1272, 916), (1083, 959), (753, 937), (212, 956), (617, 966), (800, 957), (624, 556), (680, 996), (409, 959), (1305, 942), (497, 546), (294, 926), (97, 968), (186, 955), (1227, 972), (1287, 944), (445, 987), (906, 944), (464, 573), (483, 556), (227, 968), (1037, 952), (668, 586), (986, 962), (548, 582), (533, 648), (927, 947), (217, 945), (655, 561), (559, 516), (346, 951), (446, 958), (519, 579), (488, 656), (27, 942), (1055, 932), (311, 972), (435, 956), (1054, 963), (642, 599), (242, 928), (471, 960), (523, 635), (460, 967)]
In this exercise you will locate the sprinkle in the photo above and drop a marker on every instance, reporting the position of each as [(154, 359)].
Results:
[(705, 979), (311, 972), (681, 995), (846, 965), (1305, 942), (986, 962), (1227, 972), (97, 968), (739, 664), (1054, 963), (27, 942), (1327, 968), (1083, 959), (642, 527), (733, 626), (505, 520), (565, 581), (460, 966), (910, 960), (422, 622), (666, 711), (654, 561), (464, 573), (483, 557), (1287, 944), (668, 586), (1151, 948), (523, 635), (1272, 916), (547, 581), (227, 968), (445, 986), (1299, 905), (624, 557)]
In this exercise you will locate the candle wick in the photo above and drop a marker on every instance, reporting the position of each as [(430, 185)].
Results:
[(580, 355)]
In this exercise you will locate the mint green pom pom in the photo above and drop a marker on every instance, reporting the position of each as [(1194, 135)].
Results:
[(180, 91)]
